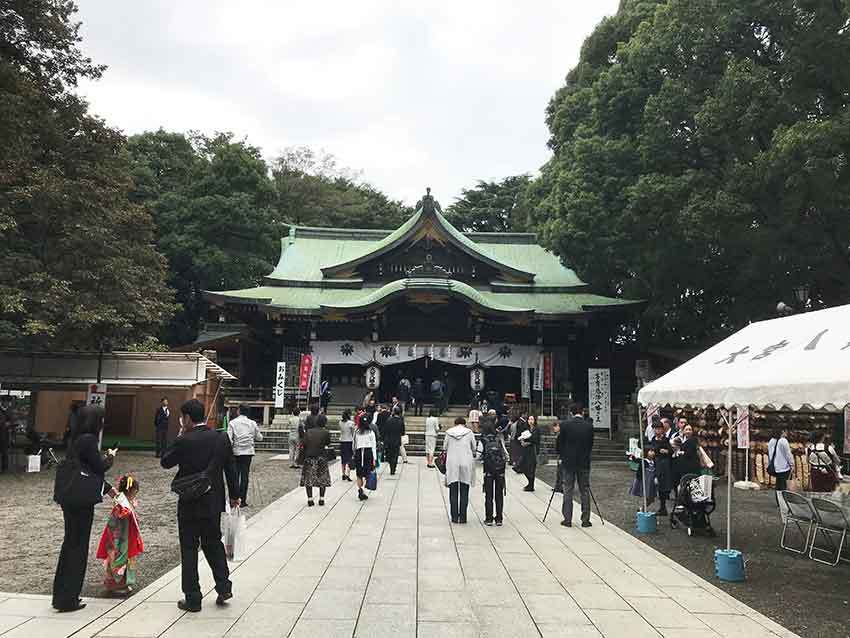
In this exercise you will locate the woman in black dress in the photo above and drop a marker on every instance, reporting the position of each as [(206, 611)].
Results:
[(530, 450), (74, 556)]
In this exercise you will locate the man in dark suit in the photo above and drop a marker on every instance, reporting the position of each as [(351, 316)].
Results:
[(160, 423), (198, 449), (575, 444)]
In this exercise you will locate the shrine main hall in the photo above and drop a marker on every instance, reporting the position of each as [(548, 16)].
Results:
[(423, 301)]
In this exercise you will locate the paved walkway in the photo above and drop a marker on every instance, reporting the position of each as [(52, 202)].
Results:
[(395, 566)]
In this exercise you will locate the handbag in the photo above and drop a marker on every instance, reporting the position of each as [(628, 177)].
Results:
[(440, 462), (372, 481), (405, 439), (74, 487), (771, 469), (235, 530), (330, 453), (300, 456), (191, 487)]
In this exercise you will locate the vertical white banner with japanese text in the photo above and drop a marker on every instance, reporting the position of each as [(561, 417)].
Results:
[(279, 384), (526, 381), (538, 374), (742, 424), (316, 386), (599, 389)]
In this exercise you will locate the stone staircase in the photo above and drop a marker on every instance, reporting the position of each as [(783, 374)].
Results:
[(604, 449)]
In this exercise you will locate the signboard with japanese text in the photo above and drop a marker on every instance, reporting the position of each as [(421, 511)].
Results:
[(790, 362), (316, 385), (547, 371), (279, 384), (305, 371), (538, 373), (599, 389), (526, 381), (96, 395), (742, 425)]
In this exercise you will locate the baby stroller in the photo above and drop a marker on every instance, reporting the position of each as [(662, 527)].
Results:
[(694, 505)]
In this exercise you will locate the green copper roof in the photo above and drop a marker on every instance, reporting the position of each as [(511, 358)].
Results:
[(299, 300), (305, 252), (308, 279)]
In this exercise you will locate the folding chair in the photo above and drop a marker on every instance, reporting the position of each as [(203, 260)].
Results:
[(799, 513), (831, 521)]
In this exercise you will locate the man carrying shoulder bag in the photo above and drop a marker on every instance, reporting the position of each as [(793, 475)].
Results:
[(204, 457)]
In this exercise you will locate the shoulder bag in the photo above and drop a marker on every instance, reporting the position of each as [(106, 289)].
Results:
[(771, 469), (74, 486)]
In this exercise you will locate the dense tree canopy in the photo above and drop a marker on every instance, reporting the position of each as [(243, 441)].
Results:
[(701, 160), (494, 206), (77, 266), (311, 190)]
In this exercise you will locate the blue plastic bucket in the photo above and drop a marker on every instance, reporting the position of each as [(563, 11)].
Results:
[(646, 523), (729, 565)]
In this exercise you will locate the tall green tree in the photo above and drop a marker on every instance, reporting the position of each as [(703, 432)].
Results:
[(77, 266), (212, 201), (312, 190), (494, 206), (700, 160)]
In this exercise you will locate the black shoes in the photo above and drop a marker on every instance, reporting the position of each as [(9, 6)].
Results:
[(310, 503), (662, 512), (567, 523), (361, 495), (321, 502), (498, 523), (528, 488), (586, 524), (488, 523), (76, 607), (190, 607), (222, 599)]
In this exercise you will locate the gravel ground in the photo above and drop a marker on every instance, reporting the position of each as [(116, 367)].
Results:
[(810, 599), (31, 524)]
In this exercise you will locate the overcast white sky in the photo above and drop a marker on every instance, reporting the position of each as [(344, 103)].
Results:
[(411, 93)]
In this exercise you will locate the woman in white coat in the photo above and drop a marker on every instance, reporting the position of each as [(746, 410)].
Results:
[(460, 467)]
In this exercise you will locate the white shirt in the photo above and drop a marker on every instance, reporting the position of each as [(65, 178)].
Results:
[(243, 432), (432, 426), (364, 440), (783, 461)]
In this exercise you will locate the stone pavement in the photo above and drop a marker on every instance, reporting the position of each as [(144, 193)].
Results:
[(395, 566)]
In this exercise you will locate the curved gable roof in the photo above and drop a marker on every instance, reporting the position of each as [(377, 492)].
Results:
[(408, 231)]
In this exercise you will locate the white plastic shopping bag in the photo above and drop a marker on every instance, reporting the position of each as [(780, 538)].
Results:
[(235, 534), (33, 463)]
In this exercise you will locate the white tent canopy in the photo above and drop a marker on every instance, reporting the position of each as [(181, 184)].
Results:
[(792, 362)]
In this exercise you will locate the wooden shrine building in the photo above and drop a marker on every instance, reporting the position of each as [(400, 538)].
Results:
[(423, 301)]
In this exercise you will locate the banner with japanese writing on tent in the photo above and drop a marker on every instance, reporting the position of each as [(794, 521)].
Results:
[(279, 384), (847, 429), (305, 371), (652, 411), (599, 389), (742, 423)]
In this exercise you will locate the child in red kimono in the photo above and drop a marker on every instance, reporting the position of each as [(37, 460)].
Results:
[(121, 541)]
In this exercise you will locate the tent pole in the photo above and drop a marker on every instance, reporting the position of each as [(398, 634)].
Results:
[(728, 483), (641, 468)]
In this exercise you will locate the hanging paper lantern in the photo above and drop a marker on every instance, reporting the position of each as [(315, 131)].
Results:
[(373, 377), (476, 378)]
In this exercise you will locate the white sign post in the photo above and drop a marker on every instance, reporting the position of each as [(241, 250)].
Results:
[(279, 385), (96, 395), (599, 389)]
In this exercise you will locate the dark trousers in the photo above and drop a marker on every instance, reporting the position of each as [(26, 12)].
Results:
[(494, 489), (391, 456), (161, 442), (243, 469), (459, 501), (206, 533), (530, 469), (73, 558), (568, 481), (417, 407), (782, 480)]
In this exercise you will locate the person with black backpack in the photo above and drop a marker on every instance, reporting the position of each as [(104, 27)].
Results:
[(494, 456)]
